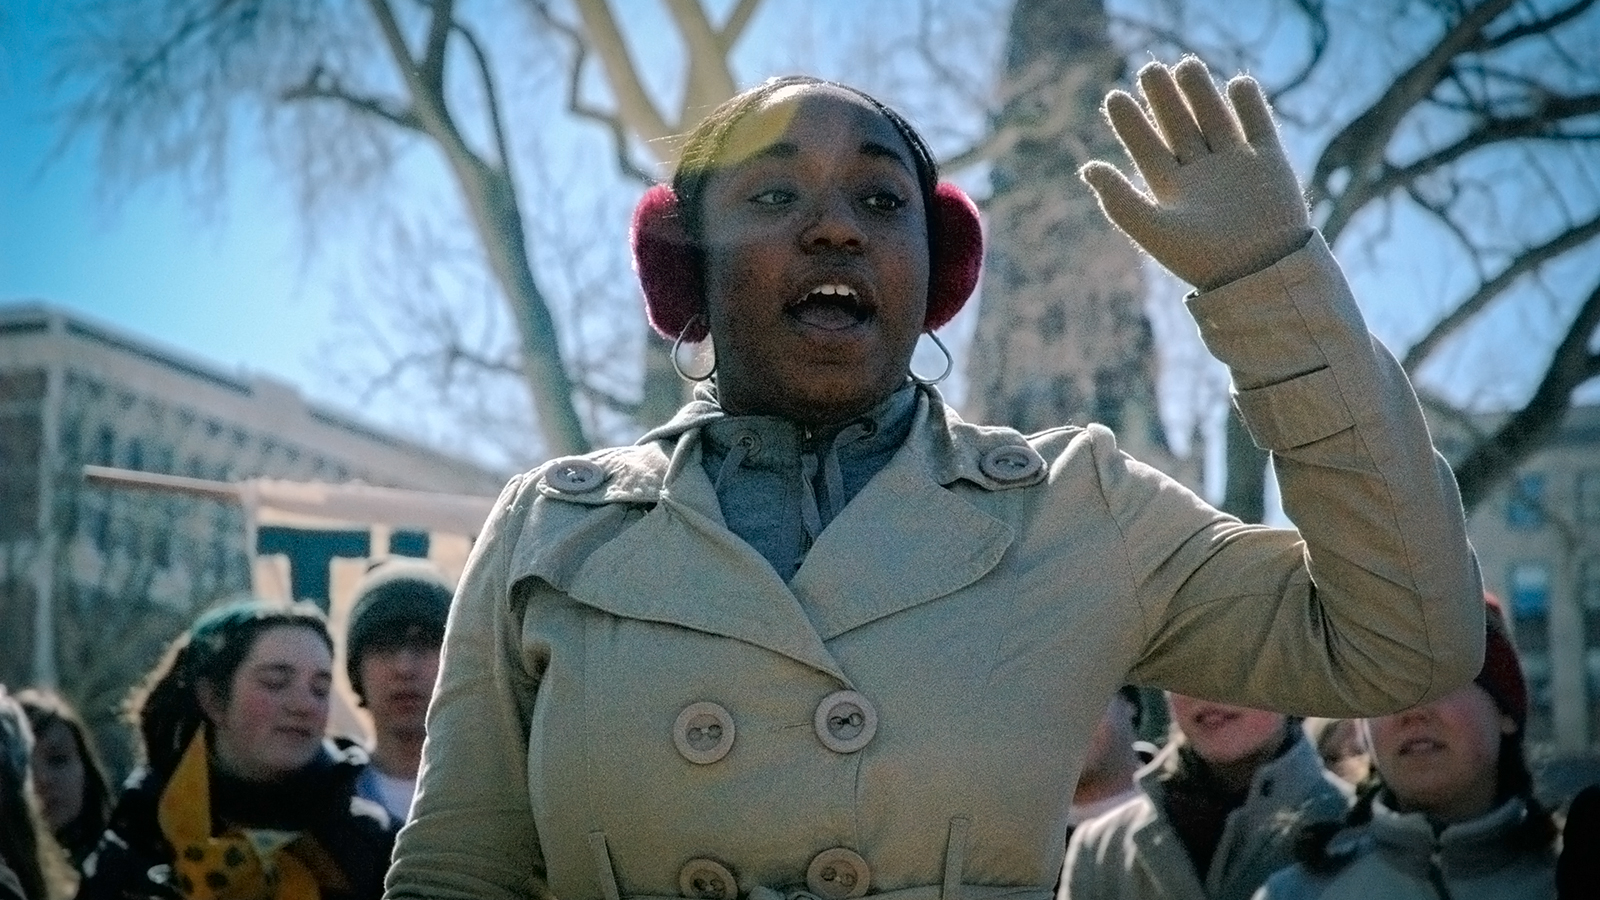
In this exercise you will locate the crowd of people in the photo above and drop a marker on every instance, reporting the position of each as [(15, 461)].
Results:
[(242, 793), (817, 638)]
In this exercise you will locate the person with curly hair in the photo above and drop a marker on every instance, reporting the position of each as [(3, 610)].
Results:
[(242, 797)]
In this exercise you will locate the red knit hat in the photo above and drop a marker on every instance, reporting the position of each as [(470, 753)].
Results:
[(1501, 674)]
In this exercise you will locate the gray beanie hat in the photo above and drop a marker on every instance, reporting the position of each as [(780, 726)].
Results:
[(397, 598)]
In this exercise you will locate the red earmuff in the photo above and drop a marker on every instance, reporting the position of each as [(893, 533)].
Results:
[(669, 274), (664, 258), (957, 254)]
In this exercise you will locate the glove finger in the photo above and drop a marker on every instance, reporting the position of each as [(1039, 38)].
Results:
[(1218, 126), (1256, 116), (1125, 205), (1148, 153), (1171, 113)]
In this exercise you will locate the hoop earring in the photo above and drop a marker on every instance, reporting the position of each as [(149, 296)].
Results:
[(949, 363), (678, 366)]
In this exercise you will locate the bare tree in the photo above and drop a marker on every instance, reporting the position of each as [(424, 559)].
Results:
[(1470, 128), (175, 87)]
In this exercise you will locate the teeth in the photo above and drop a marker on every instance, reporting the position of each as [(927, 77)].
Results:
[(835, 290)]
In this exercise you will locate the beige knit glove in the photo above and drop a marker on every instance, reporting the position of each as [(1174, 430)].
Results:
[(1223, 202)]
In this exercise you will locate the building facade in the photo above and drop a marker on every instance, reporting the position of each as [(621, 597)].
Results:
[(1538, 543), (95, 580)]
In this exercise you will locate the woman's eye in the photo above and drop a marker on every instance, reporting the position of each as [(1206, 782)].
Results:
[(774, 197), (884, 201)]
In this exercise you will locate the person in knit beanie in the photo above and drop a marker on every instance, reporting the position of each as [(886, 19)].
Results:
[(392, 658), (1449, 808)]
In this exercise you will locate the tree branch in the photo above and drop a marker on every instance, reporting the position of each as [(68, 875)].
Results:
[(1528, 261), (321, 86), (601, 397), (1317, 21), (1385, 178), (634, 106), (1536, 27), (934, 59), (398, 50), (577, 106), (1533, 425), (1358, 148), (709, 80), (738, 20), (433, 49), (491, 95), (993, 143)]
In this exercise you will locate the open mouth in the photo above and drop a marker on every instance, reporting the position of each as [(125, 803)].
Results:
[(831, 307), (1417, 746)]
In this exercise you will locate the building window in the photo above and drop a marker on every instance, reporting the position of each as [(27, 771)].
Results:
[(1530, 605), (1589, 598), (1588, 499), (105, 447), (1525, 509), (21, 446)]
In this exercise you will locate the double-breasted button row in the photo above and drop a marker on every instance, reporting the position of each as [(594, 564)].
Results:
[(845, 721), (837, 873)]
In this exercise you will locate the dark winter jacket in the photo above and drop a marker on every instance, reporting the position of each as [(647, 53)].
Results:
[(133, 860)]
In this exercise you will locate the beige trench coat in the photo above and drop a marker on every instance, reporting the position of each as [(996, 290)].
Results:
[(632, 704)]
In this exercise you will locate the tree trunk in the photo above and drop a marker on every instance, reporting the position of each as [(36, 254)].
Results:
[(1062, 335)]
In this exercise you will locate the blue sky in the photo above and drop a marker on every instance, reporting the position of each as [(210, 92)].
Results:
[(230, 290)]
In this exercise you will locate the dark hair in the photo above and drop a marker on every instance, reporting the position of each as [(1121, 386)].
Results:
[(25, 842), (166, 707), (703, 147), (1536, 831), (47, 708)]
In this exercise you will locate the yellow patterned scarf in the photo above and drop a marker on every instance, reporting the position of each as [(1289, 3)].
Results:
[(242, 863)]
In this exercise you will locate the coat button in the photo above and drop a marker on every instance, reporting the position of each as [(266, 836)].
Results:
[(838, 874), (703, 732), (575, 475), (707, 879), (1013, 462), (845, 721)]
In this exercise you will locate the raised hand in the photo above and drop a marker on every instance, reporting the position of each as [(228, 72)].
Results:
[(1222, 200)]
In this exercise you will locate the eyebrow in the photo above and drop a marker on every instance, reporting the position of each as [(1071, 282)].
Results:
[(788, 150), (278, 668)]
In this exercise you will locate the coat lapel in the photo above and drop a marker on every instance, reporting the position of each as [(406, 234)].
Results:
[(680, 564), (904, 540)]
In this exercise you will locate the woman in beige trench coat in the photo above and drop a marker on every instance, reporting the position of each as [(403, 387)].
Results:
[(819, 637)]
